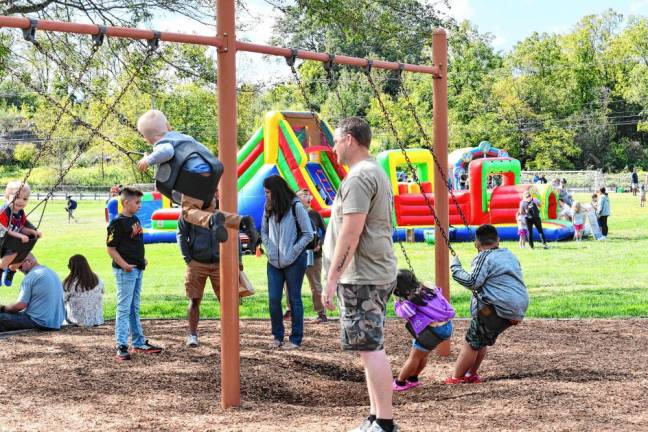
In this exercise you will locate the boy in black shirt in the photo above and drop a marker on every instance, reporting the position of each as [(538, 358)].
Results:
[(126, 248)]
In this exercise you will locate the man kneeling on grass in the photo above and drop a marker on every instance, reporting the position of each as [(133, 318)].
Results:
[(126, 248), (500, 300)]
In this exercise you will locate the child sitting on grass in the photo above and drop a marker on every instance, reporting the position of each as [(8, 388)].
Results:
[(14, 223), (500, 300), (428, 316), (578, 219)]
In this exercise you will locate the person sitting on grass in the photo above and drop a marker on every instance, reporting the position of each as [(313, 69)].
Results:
[(40, 301), (500, 300), (125, 243), (83, 294), (428, 316), (156, 130), (14, 223)]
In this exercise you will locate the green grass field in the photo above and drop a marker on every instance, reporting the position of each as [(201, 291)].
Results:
[(593, 279)]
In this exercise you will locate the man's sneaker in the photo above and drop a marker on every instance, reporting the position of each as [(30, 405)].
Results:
[(122, 353), (546, 246), (472, 379), (321, 318), (276, 343), (8, 276), (287, 316), (375, 427), (452, 380), (217, 226), (248, 228), (364, 427), (192, 341), (147, 348), (290, 346)]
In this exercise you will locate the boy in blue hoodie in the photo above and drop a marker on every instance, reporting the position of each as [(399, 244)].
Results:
[(500, 300)]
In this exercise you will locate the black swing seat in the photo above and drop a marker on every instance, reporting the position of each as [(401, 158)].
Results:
[(14, 244), (426, 338), (172, 177)]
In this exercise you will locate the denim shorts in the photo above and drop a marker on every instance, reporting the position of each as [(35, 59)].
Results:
[(443, 332)]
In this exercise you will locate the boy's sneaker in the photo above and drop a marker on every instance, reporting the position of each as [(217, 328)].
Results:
[(472, 379), (289, 346), (147, 348), (8, 276), (452, 380), (276, 343), (248, 228), (122, 353), (546, 246), (217, 226), (192, 341)]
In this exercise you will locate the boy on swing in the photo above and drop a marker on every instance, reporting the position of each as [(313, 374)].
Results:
[(14, 223), (500, 300), (200, 164)]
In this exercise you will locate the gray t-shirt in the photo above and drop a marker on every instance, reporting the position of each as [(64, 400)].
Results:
[(366, 189), (42, 291)]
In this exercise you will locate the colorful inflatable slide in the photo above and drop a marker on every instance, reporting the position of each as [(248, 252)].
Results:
[(299, 147)]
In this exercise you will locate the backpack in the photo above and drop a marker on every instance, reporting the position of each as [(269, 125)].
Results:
[(72, 204), (313, 243)]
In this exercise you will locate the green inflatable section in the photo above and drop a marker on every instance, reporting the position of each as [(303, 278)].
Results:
[(285, 171), (249, 146), (250, 172), (294, 146), (164, 224), (330, 170), (497, 167)]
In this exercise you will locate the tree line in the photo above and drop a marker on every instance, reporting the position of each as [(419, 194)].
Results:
[(576, 100)]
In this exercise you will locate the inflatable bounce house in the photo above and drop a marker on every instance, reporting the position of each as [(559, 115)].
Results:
[(157, 217), (299, 147), (486, 185)]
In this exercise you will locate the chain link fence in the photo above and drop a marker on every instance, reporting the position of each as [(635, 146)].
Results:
[(80, 192)]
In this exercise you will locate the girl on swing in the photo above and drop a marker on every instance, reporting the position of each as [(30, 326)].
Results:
[(428, 316), (14, 223)]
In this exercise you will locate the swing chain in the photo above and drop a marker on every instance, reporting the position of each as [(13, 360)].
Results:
[(427, 139), (328, 68), (410, 166), (123, 120)]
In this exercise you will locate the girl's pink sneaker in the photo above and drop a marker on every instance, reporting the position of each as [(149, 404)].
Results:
[(408, 385)]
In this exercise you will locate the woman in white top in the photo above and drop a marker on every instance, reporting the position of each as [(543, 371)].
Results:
[(83, 294)]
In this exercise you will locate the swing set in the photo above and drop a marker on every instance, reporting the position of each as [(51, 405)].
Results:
[(227, 47)]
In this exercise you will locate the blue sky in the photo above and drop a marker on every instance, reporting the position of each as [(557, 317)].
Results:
[(511, 21)]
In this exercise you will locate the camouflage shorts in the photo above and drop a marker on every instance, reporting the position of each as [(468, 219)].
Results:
[(482, 332), (362, 315)]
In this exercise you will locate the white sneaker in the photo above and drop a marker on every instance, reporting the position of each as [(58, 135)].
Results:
[(375, 427), (192, 341), (364, 427), (290, 346), (276, 344)]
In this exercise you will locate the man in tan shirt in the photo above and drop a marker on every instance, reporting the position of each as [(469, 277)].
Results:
[(361, 266)]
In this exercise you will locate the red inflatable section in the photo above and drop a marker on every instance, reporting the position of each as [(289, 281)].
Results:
[(412, 209), (166, 214), (504, 203)]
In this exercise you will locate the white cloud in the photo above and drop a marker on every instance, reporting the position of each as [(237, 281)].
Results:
[(459, 9), (638, 6), (499, 40)]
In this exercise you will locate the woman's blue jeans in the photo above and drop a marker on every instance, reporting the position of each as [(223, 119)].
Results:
[(292, 276)]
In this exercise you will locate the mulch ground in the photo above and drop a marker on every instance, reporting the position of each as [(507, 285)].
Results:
[(543, 375)]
